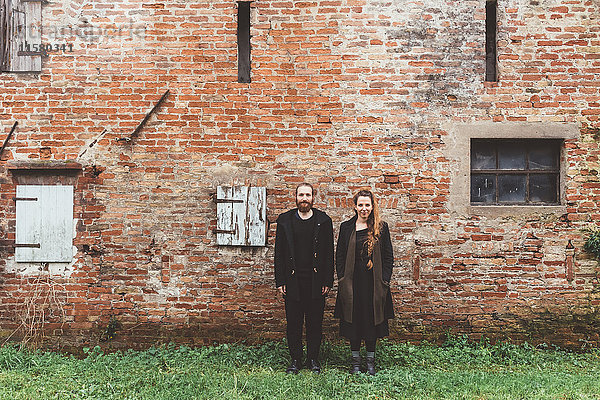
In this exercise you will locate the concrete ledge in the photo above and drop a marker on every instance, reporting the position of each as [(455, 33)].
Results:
[(43, 165), (515, 210)]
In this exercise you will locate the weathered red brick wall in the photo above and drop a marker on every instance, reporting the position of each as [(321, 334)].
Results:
[(344, 93)]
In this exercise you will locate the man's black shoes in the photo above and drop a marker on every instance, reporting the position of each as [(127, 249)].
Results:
[(313, 365), (355, 366), (294, 367)]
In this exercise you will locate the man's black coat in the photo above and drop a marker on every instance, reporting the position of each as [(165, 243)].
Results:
[(322, 266)]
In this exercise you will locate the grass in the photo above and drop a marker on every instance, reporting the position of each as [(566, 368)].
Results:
[(456, 370)]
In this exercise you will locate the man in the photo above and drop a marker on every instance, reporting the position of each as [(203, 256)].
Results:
[(304, 274)]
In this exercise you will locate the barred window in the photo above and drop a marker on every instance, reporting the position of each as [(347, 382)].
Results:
[(515, 171)]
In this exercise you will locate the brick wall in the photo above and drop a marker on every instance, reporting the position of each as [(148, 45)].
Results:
[(344, 93)]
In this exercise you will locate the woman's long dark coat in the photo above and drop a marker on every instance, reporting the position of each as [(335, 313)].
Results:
[(383, 263)]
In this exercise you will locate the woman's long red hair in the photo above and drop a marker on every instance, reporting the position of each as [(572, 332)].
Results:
[(373, 223)]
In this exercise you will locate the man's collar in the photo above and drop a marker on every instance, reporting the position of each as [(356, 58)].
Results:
[(310, 214)]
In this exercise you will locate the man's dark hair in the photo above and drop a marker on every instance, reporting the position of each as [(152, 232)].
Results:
[(306, 184)]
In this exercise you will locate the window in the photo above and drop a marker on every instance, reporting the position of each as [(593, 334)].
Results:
[(20, 35), (44, 228), (243, 39), (491, 24), (515, 172), (464, 138)]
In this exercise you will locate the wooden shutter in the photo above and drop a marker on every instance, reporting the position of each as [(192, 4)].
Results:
[(241, 216), (44, 229), (4, 29), (22, 36)]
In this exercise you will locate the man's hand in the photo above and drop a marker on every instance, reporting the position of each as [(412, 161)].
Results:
[(325, 290), (282, 290)]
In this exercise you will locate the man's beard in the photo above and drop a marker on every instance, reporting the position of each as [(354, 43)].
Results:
[(304, 206)]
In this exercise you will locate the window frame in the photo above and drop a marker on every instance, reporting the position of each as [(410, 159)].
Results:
[(529, 145), (457, 153)]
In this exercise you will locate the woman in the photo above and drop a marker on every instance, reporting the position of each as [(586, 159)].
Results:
[(364, 260)]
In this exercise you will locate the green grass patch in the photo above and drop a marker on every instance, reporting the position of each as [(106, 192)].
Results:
[(456, 370)]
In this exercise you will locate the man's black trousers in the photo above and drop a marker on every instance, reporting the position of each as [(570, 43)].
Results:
[(309, 310)]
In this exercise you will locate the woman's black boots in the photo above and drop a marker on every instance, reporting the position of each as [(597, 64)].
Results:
[(371, 365), (355, 368)]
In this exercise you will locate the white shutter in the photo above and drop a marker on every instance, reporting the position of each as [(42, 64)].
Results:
[(44, 229), (257, 217), (241, 216), (231, 215)]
